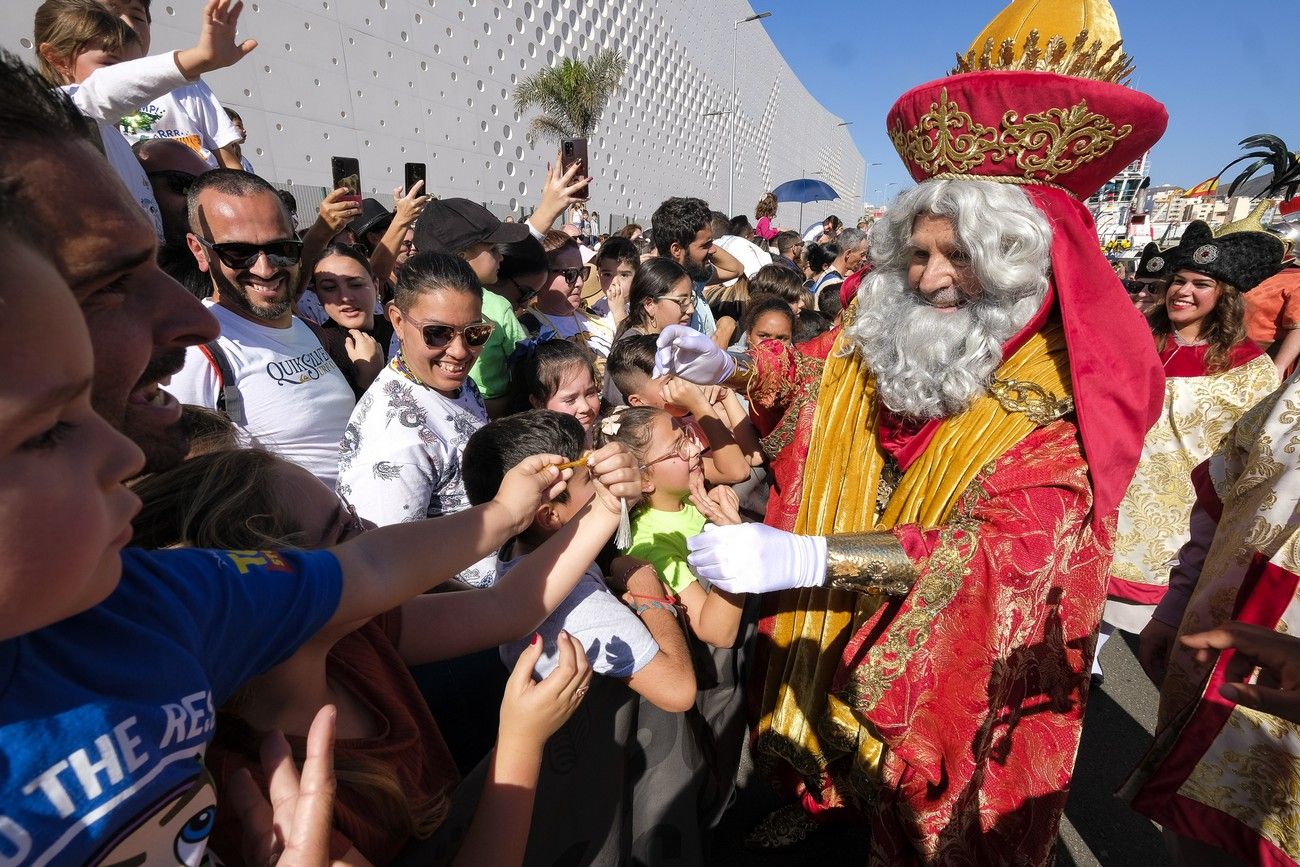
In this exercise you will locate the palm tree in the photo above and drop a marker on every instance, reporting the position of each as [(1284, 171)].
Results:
[(571, 95)]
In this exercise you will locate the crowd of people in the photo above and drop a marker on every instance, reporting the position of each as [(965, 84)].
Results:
[(416, 536)]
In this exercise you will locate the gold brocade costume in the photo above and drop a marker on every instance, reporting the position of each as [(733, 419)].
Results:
[(800, 721)]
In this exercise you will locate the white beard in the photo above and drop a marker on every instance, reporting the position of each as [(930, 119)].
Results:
[(930, 363)]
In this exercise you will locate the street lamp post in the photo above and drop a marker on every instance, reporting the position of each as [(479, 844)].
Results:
[(866, 171), (731, 180)]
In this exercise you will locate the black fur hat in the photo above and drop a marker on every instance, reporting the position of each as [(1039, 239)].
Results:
[(1244, 259), (1153, 264)]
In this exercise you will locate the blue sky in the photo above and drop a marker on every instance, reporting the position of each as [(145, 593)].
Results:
[(1224, 70)]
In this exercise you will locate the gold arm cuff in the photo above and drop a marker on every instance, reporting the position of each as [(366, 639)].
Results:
[(743, 376), (870, 563)]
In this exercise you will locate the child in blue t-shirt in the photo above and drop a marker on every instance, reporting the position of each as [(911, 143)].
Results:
[(112, 662)]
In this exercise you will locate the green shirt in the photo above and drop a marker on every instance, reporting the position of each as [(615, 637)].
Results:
[(491, 373), (660, 537)]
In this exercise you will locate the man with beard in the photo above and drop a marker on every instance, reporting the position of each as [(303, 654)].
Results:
[(963, 449), (683, 231), (268, 370), (140, 320)]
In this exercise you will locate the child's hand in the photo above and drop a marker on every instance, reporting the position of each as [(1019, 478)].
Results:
[(216, 48), (687, 395), (719, 506), (531, 712), (527, 485), (294, 828), (615, 476)]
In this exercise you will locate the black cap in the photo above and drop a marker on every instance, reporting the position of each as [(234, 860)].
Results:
[(1152, 264), (1243, 259), (455, 225), (374, 217)]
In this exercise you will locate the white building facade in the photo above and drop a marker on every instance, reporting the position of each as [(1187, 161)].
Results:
[(396, 81)]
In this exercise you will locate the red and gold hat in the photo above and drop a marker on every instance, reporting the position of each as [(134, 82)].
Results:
[(1039, 101)]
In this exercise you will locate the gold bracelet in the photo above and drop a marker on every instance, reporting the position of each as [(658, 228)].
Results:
[(871, 563)]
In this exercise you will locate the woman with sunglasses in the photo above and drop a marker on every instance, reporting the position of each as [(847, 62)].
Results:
[(558, 310), (660, 296), (400, 458), (524, 270)]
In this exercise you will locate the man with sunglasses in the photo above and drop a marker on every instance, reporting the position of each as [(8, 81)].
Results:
[(268, 370), (172, 168), (468, 230)]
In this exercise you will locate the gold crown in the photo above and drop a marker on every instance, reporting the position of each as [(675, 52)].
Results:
[(1023, 22)]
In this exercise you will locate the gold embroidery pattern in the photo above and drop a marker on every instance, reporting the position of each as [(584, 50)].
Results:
[(1039, 405), (807, 371), (870, 563), (1047, 144), (948, 567)]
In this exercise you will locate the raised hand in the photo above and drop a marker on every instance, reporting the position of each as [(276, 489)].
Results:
[(216, 48), (531, 482), (687, 353), (615, 476), (293, 829), (336, 212), (409, 204)]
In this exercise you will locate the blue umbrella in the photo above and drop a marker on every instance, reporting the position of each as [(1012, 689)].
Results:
[(805, 190)]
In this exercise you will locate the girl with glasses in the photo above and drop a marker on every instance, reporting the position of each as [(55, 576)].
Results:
[(661, 295), (558, 310), (400, 458)]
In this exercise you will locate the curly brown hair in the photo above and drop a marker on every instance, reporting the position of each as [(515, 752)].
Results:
[(1222, 328)]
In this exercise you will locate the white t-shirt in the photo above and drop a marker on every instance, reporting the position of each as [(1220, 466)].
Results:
[(751, 256), (190, 114), (400, 458), (296, 401), (112, 91), (596, 332), (617, 642)]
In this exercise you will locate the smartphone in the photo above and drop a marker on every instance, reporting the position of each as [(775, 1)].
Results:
[(347, 173), (414, 174), (574, 150)]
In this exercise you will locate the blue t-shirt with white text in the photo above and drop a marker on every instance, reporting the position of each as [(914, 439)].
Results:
[(104, 716)]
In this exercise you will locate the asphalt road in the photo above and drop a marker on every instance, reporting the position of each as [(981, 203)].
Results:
[(1098, 829)]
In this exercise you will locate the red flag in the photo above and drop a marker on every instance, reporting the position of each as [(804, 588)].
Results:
[(1204, 188)]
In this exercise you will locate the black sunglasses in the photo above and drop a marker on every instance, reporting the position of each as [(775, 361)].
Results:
[(440, 336), (178, 182), (570, 274), (241, 255)]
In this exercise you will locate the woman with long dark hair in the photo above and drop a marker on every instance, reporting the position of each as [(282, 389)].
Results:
[(1213, 375)]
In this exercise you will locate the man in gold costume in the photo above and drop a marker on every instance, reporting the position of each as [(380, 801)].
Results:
[(932, 606)]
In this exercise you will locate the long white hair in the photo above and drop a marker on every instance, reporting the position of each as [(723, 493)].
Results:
[(930, 363)]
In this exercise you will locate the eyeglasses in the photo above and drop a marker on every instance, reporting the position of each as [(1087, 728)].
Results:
[(687, 303), (571, 275), (686, 446), (178, 182), (439, 336), (242, 256)]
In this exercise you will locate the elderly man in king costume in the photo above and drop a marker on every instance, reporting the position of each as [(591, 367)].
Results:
[(964, 447)]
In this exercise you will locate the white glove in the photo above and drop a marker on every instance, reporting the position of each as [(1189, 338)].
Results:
[(687, 353), (756, 558)]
